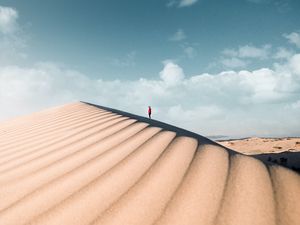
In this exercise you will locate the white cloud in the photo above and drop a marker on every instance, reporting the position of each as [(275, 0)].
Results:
[(230, 52), (12, 40), (12, 49), (260, 102), (181, 3), (172, 74), (178, 113), (178, 36), (249, 51), (190, 52), (295, 105), (244, 55), (233, 62), (295, 64), (283, 53), (171, 3), (8, 17), (294, 38), (185, 3)]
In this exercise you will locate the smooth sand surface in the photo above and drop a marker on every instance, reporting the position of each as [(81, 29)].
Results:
[(80, 164)]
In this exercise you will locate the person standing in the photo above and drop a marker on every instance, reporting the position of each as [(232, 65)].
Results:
[(149, 111)]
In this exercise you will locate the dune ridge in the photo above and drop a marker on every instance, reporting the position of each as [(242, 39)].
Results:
[(84, 164)]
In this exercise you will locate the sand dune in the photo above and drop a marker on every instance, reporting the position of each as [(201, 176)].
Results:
[(83, 164)]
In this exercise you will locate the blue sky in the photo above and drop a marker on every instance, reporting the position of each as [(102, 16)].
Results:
[(232, 63), (99, 37)]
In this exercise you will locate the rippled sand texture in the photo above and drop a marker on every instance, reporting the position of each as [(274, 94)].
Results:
[(78, 164)]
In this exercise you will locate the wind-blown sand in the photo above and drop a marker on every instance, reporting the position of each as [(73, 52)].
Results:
[(82, 164)]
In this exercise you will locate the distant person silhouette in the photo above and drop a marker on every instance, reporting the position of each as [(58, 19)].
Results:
[(149, 111)]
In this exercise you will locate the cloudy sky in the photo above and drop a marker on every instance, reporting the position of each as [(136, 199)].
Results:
[(213, 67)]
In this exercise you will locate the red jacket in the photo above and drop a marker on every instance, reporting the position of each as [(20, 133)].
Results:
[(149, 110)]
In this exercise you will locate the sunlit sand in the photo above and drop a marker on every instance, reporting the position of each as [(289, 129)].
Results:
[(81, 164)]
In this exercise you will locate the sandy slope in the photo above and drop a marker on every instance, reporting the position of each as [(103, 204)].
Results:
[(82, 164)]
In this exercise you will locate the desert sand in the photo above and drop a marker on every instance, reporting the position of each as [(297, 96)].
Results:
[(258, 145), (81, 164)]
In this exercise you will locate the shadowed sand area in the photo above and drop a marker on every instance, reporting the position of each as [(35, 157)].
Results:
[(83, 164)]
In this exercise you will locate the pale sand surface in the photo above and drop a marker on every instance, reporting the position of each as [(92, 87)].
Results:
[(257, 145), (80, 164)]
